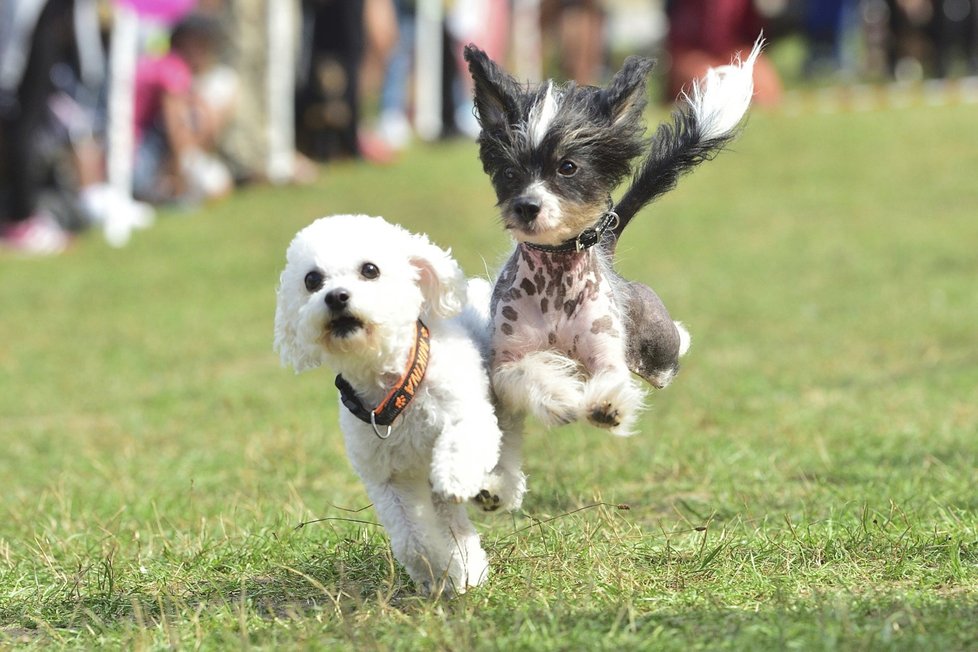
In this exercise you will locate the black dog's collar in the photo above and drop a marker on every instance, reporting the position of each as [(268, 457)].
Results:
[(400, 396), (586, 238)]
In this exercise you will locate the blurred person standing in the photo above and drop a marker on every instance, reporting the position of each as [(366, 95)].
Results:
[(577, 27), (380, 23), (261, 135), (954, 29), (344, 47), (35, 36), (327, 94), (52, 90), (707, 33), (828, 25), (393, 124), (486, 23)]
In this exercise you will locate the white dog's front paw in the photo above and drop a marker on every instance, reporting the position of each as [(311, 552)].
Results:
[(613, 402)]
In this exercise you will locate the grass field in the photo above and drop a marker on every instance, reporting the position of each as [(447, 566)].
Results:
[(808, 482)]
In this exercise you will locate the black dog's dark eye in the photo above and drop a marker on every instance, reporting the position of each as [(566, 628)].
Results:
[(567, 168), (369, 271), (314, 280), (509, 173)]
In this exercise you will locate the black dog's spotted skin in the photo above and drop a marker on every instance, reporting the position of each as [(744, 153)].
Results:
[(569, 297), (548, 300)]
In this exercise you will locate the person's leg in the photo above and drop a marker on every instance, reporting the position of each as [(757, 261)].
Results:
[(582, 40), (21, 226), (20, 122)]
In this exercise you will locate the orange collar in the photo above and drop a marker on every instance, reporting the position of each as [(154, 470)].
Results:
[(400, 396)]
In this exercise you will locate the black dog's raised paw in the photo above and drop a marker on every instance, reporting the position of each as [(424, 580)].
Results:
[(489, 501), (605, 416)]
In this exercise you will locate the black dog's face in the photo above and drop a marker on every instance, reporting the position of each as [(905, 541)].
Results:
[(555, 154)]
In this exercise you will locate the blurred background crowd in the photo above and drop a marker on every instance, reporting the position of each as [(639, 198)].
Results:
[(109, 108)]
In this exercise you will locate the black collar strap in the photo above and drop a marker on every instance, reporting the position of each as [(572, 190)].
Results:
[(400, 396), (586, 239)]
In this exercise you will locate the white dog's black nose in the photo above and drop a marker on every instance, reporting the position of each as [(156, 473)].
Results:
[(337, 299), (527, 208)]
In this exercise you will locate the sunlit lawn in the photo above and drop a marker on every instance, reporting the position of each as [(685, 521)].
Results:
[(808, 481)]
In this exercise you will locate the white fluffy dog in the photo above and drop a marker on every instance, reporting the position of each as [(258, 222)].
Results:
[(393, 315)]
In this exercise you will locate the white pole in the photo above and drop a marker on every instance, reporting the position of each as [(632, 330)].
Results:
[(527, 46), (280, 86), (122, 64), (428, 69)]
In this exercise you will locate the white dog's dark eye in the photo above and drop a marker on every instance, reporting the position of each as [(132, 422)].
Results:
[(567, 168), (369, 271), (314, 280)]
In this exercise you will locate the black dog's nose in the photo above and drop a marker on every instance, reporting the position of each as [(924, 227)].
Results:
[(337, 299), (527, 208)]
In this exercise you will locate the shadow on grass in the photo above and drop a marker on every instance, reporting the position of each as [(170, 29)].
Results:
[(824, 622), (581, 578), (344, 578), (479, 621)]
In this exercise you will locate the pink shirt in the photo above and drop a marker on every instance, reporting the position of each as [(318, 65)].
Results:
[(168, 11), (154, 77)]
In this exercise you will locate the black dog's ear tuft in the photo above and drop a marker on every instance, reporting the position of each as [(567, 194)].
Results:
[(495, 91), (625, 95)]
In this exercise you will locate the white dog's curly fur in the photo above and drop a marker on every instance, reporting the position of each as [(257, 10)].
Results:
[(445, 445)]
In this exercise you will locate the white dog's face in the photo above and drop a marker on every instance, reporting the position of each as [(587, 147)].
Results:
[(353, 288)]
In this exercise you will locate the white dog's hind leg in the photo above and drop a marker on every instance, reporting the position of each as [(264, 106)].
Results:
[(546, 384), (468, 564), (406, 511)]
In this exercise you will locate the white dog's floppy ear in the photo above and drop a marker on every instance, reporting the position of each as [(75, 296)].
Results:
[(287, 343), (441, 279)]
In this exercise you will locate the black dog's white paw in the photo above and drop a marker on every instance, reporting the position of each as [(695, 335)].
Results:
[(488, 501), (605, 415)]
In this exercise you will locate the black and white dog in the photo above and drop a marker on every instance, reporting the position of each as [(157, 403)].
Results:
[(568, 332)]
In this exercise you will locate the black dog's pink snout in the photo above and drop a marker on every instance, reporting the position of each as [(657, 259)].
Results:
[(527, 208), (337, 299)]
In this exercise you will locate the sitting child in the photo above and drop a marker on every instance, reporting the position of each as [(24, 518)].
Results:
[(179, 117)]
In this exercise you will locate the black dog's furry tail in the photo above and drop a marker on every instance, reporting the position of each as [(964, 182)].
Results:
[(707, 120), (676, 149)]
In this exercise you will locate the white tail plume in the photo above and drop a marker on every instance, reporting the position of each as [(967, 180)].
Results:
[(721, 98), (684, 338)]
